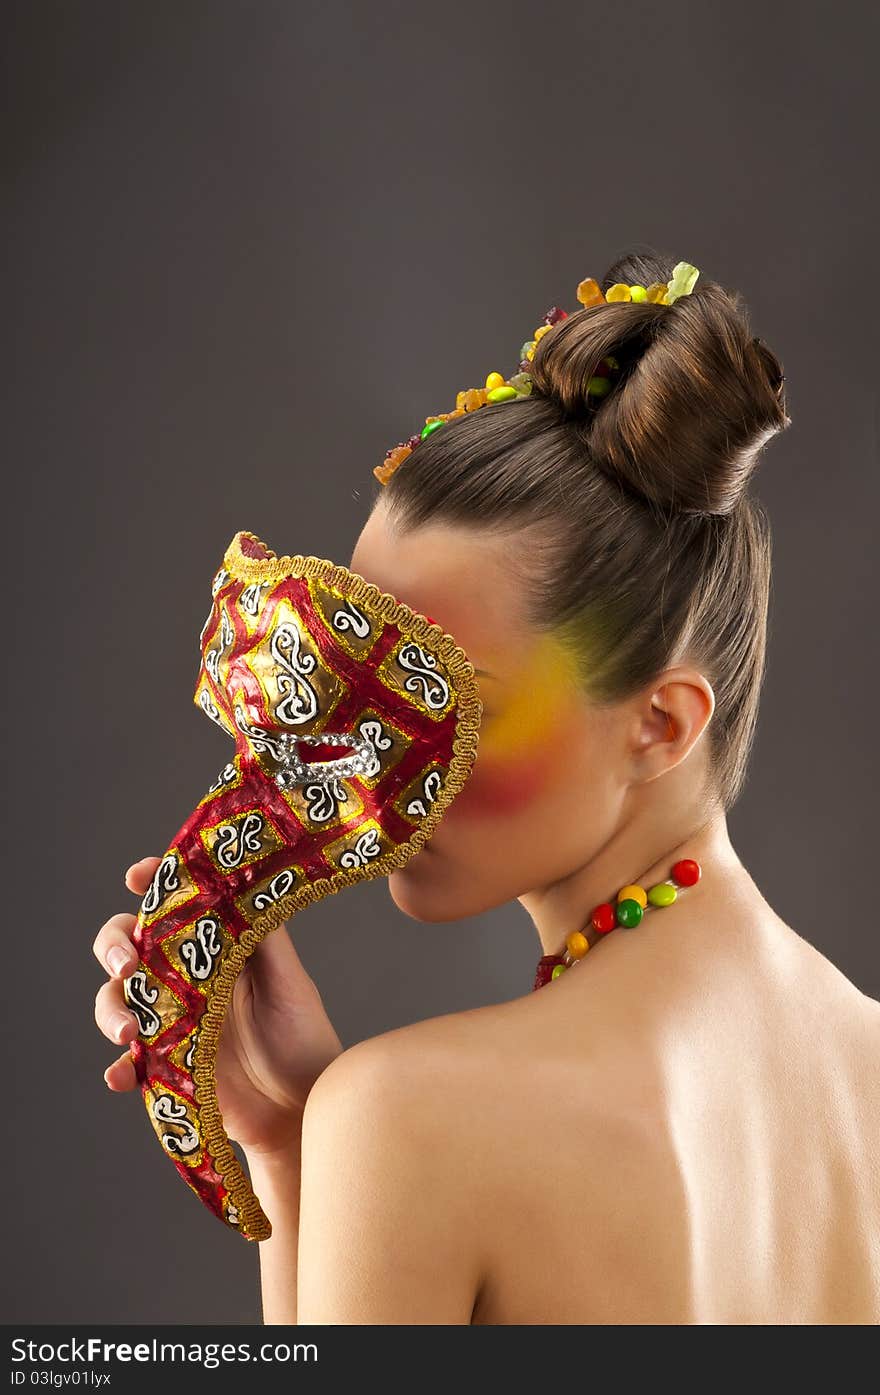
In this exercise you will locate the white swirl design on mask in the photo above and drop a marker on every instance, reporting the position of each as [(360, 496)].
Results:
[(168, 1110), (372, 733), (367, 846), (415, 660), (298, 701), (139, 996), (430, 785), (165, 880), (258, 737), (204, 628), (210, 709), (226, 777), (189, 1058), (215, 653), (350, 618), (219, 581), (278, 887), (323, 801), (234, 841), (249, 600), (200, 954)]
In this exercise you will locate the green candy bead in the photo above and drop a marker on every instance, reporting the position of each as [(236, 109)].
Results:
[(557, 970), (501, 394), (628, 913), (431, 426), (524, 351), (662, 894), (638, 293), (522, 383), (598, 387)]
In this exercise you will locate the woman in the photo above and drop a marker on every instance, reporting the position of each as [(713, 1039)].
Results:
[(683, 1126)]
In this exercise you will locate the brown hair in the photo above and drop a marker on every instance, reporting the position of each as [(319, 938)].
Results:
[(635, 537)]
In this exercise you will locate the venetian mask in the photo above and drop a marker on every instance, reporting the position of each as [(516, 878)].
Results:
[(355, 721)]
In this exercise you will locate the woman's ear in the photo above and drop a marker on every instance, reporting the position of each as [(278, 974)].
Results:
[(669, 718)]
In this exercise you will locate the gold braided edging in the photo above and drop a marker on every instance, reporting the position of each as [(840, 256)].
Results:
[(256, 1225)]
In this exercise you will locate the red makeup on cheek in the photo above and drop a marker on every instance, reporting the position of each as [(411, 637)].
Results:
[(501, 791)]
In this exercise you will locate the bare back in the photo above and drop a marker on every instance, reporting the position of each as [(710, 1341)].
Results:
[(665, 1135)]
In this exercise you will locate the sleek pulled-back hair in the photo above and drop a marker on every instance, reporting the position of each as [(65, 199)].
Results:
[(631, 525)]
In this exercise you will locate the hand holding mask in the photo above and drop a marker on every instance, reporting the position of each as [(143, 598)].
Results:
[(355, 722)]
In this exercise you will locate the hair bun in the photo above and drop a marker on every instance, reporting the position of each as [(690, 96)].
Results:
[(695, 399)]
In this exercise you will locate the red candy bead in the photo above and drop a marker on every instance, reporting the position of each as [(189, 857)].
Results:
[(686, 872), (604, 918)]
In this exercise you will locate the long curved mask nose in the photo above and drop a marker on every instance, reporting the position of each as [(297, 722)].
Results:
[(355, 722)]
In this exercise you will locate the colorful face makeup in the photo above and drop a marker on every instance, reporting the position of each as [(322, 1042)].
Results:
[(527, 714), (356, 722)]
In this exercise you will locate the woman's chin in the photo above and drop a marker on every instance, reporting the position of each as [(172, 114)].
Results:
[(419, 896)]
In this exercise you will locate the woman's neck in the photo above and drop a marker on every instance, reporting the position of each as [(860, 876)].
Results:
[(634, 854)]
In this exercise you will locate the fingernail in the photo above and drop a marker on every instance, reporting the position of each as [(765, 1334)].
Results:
[(120, 1024), (117, 958)]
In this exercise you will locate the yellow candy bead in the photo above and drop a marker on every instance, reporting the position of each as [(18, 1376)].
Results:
[(541, 331), (494, 380), (530, 353), (589, 293), (638, 293), (461, 397), (657, 293), (633, 893), (619, 291), (578, 944)]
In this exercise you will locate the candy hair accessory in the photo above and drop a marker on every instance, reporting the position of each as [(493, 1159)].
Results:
[(499, 389)]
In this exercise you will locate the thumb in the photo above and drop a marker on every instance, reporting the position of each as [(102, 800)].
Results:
[(139, 875)]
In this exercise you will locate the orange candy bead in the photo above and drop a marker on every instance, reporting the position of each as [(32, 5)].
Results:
[(578, 944), (657, 292), (394, 458), (589, 293)]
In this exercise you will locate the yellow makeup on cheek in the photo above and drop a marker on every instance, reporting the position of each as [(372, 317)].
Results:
[(525, 713), (522, 746)]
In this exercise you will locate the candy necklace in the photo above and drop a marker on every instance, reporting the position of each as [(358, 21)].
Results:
[(631, 905)]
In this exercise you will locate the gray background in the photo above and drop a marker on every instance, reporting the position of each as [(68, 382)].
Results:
[(252, 245)]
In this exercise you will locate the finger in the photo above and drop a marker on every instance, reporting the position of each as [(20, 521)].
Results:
[(113, 947), (120, 1074), (139, 875), (112, 1014)]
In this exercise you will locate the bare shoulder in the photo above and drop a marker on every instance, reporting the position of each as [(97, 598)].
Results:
[(402, 1234), (472, 1094), (428, 1066)]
